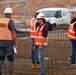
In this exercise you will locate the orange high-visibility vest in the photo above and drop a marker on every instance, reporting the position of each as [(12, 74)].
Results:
[(5, 33), (33, 28), (39, 37), (71, 32)]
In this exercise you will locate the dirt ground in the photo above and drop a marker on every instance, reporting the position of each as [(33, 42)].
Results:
[(56, 56)]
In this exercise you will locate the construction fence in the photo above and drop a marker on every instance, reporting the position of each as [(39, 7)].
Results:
[(56, 56)]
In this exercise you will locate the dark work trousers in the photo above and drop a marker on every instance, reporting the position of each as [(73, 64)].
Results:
[(73, 55)]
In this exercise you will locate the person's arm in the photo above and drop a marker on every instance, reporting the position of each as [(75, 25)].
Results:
[(40, 47), (13, 31), (14, 37), (75, 28), (44, 38), (45, 34)]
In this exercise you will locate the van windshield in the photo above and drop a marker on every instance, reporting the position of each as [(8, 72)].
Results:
[(49, 14)]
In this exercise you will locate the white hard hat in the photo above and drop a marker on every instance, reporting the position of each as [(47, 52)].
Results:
[(8, 10), (40, 15)]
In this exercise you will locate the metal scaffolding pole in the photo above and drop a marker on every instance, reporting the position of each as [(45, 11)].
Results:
[(24, 11), (18, 1), (10, 2)]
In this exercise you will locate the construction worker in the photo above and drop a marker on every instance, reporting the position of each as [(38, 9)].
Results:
[(72, 38), (41, 41), (72, 21), (7, 39), (34, 57)]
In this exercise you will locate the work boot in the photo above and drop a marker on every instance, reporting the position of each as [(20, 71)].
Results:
[(37, 66), (34, 65)]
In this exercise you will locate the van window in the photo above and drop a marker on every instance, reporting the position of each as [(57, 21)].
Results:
[(58, 14), (49, 14)]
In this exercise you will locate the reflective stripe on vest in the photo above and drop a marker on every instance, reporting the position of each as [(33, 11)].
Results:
[(5, 33), (33, 28), (39, 37), (71, 32)]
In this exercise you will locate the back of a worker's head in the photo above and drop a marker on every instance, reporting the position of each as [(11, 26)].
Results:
[(73, 20), (8, 10), (40, 15), (36, 13)]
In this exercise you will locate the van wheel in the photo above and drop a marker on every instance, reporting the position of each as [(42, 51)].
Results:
[(53, 27)]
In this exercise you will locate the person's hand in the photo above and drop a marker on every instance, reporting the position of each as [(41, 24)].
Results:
[(16, 44), (40, 47), (15, 47)]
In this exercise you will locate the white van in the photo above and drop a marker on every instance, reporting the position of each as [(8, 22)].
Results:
[(57, 16)]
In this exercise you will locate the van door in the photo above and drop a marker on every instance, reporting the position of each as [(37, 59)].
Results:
[(65, 16)]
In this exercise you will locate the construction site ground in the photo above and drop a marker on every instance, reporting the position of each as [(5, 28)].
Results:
[(56, 56)]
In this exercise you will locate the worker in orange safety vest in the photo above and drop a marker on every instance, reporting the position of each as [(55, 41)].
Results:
[(72, 37), (33, 26), (41, 41), (8, 39)]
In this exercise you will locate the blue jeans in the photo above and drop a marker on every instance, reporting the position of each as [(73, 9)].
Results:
[(73, 55), (41, 60), (34, 54)]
